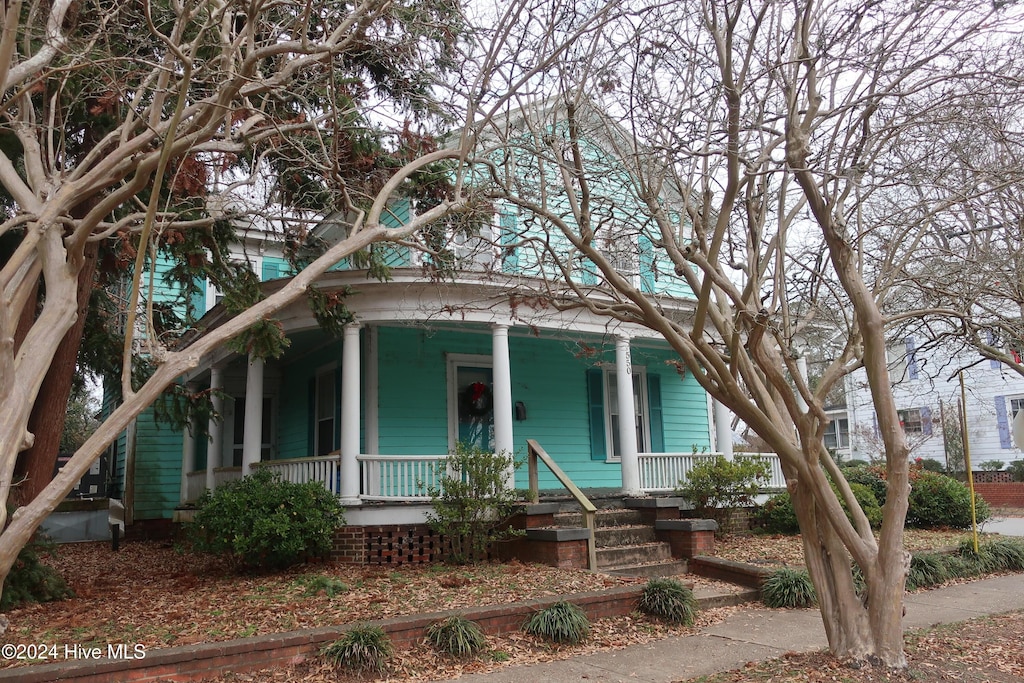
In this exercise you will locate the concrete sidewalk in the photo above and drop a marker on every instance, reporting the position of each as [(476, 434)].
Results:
[(752, 635)]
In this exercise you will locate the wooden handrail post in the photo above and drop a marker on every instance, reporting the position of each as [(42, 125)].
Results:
[(531, 466)]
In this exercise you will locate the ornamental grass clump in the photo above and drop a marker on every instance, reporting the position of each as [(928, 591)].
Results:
[(457, 636), (926, 569), (562, 622), (1004, 554), (670, 601), (788, 588), (364, 648)]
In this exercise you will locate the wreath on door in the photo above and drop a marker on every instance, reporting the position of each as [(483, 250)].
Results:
[(477, 399)]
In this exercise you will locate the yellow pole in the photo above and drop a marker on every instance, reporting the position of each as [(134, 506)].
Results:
[(967, 458)]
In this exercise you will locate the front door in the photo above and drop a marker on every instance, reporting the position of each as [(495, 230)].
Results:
[(473, 404)]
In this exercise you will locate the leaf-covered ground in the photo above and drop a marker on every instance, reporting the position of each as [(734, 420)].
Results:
[(156, 595), (774, 550), (986, 650)]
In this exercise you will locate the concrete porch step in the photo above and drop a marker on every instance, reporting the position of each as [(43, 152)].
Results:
[(611, 536), (629, 555), (603, 518)]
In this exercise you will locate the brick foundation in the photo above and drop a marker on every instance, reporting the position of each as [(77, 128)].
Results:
[(564, 548), (1001, 495), (390, 544)]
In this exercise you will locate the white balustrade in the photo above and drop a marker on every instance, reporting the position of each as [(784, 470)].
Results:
[(663, 472), (195, 482), (325, 469), (400, 477)]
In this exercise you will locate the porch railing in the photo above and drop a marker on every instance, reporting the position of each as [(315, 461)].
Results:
[(662, 472), (195, 482), (400, 477), (535, 453), (324, 469)]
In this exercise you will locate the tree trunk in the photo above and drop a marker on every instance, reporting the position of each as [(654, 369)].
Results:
[(36, 465), (864, 628)]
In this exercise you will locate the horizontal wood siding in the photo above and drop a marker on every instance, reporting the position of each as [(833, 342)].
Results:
[(412, 394), (552, 382), (157, 468)]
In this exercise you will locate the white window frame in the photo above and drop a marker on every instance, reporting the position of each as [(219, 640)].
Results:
[(906, 413), (255, 263), (1013, 405), (834, 427), (643, 406)]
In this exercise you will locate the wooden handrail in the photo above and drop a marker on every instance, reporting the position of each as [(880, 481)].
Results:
[(535, 451)]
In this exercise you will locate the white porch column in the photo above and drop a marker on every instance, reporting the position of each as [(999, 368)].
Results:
[(723, 430), (350, 483), (216, 427), (627, 418), (502, 377), (252, 429), (188, 451)]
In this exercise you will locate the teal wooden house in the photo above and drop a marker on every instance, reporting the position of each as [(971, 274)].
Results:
[(430, 362)]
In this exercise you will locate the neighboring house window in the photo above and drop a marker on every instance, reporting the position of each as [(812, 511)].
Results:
[(837, 433), (1016, 405), (325, 431), (916, 421), (602, 390)]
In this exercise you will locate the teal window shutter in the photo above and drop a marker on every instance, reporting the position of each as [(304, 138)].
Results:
[(595, 399), (1003, 423), (655, 416), (271, 271), (647, 276), (509, 223)]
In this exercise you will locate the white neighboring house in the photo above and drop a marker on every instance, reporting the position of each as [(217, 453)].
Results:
[(926, 391)]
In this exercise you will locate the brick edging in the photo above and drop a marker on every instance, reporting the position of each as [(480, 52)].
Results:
[(194, 662)]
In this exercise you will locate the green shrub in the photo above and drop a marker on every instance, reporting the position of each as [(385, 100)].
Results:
[(788, 588), (457, 636), (870, 477), (1016, 468), (868, 503), (669, 600), (562, 622), (718, 485), (940, 501), (32, 580), (472, 502), (991, 465), (777, 515), (263, 522), (926, 569), (931, 465), (363, 648)]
